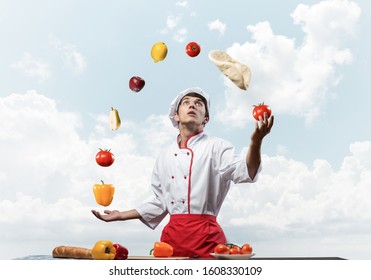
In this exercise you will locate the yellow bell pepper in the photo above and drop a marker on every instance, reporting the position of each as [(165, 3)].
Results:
[(103, 193), (103, 250)]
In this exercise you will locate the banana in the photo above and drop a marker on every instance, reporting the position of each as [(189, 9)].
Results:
[(114, 119)]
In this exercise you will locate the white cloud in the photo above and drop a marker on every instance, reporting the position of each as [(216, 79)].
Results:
[(50, 173), (338, 16), (72, 59), (182, 4), (33, 67), (44, 140), (282, 150), (218, 26), (291, 195), (180, 35), (294, 79), (317, 203), (172, 21)]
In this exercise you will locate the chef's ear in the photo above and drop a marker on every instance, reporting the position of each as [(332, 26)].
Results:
[(176, 117), (205, 121)]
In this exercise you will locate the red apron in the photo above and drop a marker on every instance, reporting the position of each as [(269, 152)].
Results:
[(193, 235)]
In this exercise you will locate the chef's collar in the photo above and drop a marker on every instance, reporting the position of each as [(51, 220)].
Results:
[(191, 139), (175, 104)]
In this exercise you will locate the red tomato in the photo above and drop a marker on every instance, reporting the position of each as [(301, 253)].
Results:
[(221, 249), (259, 111), (193, 49), (246, 249), (235, 250), (104, 158)]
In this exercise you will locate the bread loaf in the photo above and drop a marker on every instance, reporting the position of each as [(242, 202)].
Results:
[(72, 252)]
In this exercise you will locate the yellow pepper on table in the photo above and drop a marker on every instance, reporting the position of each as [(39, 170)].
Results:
[(103, 250), (103, 193)]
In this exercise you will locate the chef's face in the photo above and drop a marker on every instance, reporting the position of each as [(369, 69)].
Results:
[(192, 110)]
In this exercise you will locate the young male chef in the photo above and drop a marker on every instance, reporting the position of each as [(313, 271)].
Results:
[(191, 178)]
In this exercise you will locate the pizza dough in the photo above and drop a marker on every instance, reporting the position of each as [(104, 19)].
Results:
[(237, 72)]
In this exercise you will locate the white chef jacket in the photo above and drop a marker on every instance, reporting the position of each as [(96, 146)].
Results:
[(194, 179)]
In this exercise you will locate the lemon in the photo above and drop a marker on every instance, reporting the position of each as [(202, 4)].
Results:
[(159, 51)]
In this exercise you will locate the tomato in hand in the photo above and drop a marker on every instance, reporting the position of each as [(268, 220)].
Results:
[(246, 249), (221, 249), (260, 110), (193, 49), (104, 158)]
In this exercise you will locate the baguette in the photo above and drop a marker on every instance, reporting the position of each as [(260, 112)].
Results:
[(72, 252)]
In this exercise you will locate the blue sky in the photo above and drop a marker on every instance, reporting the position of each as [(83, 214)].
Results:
[(65, 64)]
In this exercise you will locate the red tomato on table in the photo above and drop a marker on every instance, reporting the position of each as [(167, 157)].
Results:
[(235, 250), (221, 249), (246, 249)]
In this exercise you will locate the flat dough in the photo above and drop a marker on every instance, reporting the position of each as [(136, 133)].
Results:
[(237, 72)]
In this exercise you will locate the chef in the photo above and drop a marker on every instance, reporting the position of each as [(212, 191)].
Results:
[(192, 177)]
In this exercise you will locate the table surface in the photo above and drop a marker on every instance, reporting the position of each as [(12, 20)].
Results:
[(49, 257), (297, 258)]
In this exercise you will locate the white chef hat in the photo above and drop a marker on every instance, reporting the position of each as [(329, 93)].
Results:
[(175, 104)]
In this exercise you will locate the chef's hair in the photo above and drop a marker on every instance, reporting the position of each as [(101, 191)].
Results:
[(203, 99)]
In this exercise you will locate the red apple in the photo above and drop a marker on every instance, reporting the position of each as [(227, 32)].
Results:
[(136, 83)]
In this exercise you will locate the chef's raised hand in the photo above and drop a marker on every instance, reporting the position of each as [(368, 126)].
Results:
[(262, 128), (253, 156)]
